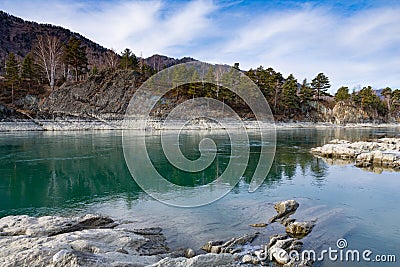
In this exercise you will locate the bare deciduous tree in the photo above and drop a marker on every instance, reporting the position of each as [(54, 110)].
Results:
[(48, 53), (111, 59)]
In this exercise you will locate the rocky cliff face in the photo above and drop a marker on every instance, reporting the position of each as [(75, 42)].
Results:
[(105, 95), (343, 113)]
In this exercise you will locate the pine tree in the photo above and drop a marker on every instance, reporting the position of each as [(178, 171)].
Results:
[(27, 69), (369, 100), (342, 94), (12, 73), (194, 84), (128, 61), (387, 93), (179, 77), (290, 99), (306, 92), (75, 56), (320, 84), (396, 99), (209, 86)]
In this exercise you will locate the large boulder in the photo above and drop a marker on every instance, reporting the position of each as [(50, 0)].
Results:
[(204, 260), (90, 240), (384, 152)]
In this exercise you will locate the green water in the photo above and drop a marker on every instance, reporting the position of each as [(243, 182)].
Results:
[(73, 173)]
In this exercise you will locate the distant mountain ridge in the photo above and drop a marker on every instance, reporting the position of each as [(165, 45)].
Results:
[(18, 37), (159, 62)]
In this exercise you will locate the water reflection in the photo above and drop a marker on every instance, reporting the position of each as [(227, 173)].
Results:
[(58, 170), (55, 171)]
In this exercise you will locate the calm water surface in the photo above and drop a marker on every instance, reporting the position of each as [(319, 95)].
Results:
[(73, 173)]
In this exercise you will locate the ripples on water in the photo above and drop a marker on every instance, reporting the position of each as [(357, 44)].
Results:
[(69, 173)]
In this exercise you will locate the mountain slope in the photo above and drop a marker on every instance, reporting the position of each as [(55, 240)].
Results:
[(18, 37)]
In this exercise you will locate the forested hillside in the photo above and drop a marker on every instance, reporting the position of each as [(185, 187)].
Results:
[(45, 67)]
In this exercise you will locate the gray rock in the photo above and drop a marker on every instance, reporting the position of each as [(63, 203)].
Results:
[(247, 258), (299, 229), (204, 260), (105, 95), (234, 245), (279, 254), (189, 253), (90, 240), (384, 152), (284, 209)]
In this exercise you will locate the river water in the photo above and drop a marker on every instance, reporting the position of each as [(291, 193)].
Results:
[(74, 173)]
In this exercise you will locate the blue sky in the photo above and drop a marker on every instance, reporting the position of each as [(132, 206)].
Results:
[(355, 43)]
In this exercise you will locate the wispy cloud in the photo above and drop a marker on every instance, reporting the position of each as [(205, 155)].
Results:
[(359, 46)]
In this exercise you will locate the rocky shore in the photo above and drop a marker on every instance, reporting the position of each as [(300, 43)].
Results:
[(94, 240), (79, 124), (384, 152)]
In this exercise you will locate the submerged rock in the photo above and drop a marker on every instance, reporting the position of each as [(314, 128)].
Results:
[(284, 209), (234, 245), (258, 225), (94, 240), (299, 229)]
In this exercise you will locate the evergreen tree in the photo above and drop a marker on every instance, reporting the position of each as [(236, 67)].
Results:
[(27, 69), (270, 83), (209, 87), (396, 100), (194, 85), (75, 56), (387, 93), (147, 71), (306, 92), (290, 99), (342, 94), (230, 79), (128, 61), (12, 73), (179, 77), (369, 100), (321, 84)]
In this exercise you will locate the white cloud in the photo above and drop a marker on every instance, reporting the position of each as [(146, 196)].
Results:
[(359, 47), (180, 28)]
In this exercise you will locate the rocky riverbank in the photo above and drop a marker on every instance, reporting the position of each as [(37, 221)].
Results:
[(76, 124), (94, 240), (384, 152)]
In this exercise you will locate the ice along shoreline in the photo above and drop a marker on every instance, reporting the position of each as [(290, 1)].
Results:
[(84, 124)]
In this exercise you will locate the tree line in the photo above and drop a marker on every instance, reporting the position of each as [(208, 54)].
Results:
[(50, 63), (53, 63), (286, 96)]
